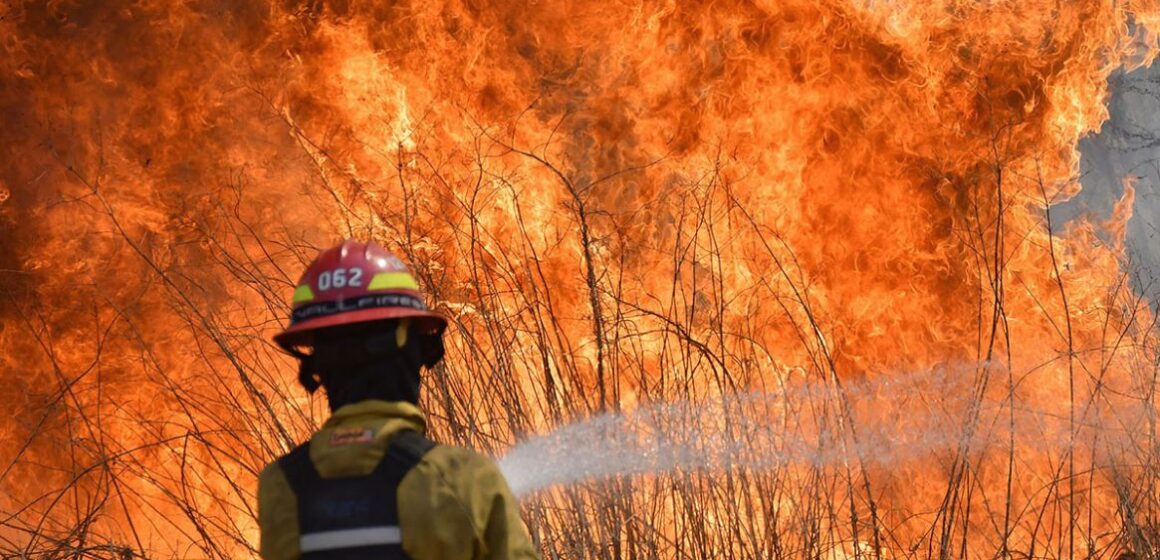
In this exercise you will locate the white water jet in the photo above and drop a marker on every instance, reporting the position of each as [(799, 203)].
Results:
[(884, 421)]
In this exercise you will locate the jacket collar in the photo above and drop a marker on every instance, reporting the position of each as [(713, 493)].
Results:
[(401, 410)]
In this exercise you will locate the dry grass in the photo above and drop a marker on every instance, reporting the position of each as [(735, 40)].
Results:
[(151, 408)]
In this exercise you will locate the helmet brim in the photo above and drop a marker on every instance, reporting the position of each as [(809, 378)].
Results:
[(302, 333)]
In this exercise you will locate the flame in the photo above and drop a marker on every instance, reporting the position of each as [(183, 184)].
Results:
[(615, 204)]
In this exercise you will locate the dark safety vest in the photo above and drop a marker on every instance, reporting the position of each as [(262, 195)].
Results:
[(357, 517)]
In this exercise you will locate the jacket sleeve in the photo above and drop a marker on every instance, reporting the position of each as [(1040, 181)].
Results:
[(456, 505), (504, 533), (277, 516)]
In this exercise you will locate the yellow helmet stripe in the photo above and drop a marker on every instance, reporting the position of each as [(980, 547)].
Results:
[(303, 294), (392, 281)]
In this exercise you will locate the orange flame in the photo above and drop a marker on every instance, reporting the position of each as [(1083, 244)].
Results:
[(615, 203)]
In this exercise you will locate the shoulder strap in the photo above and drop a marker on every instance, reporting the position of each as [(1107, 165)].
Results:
[(405, 450), (411, 444), (298, 468)]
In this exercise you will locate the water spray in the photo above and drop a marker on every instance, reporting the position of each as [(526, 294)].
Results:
[(797, 425)]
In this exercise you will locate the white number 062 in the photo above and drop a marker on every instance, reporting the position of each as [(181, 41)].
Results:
[(340, 278)]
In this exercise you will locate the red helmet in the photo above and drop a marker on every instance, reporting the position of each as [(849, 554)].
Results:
[(355, 283)]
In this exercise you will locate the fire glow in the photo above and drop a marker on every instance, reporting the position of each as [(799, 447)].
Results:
[(615, 204)]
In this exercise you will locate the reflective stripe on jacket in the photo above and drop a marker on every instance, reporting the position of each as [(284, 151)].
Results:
[(454, 504)]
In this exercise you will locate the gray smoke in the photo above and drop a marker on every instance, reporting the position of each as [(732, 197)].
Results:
[(1127, 146)]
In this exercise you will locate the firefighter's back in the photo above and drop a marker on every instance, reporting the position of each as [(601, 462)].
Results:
[(369, 485)]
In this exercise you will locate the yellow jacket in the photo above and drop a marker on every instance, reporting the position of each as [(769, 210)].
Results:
[(453, 505)]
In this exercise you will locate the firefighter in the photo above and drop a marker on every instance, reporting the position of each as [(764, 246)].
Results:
[(369, 484)]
